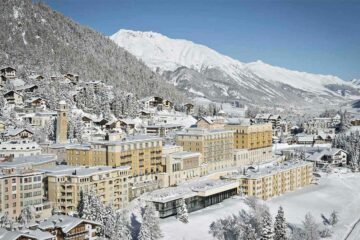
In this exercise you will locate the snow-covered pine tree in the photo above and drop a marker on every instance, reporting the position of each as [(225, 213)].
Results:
[(84, 205), (267, 228), (26, 215), (182, 213), (311, 228), (5, 220), (280, 226), (109, 221), (121, 228), (248, 232), (150, 227)]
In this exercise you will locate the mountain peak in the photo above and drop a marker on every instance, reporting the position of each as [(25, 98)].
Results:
[(227, 76)]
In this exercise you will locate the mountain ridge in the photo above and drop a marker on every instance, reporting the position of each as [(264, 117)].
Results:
[(165, 55)]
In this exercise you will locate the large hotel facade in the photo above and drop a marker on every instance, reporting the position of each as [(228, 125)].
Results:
[(142, 153), (251, 136), (64, 185), (273, 181), (216, 146)]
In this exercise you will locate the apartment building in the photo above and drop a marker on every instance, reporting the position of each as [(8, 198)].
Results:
[(269, 182), (250, 137), (20, 188), (216, 146), (142, 153), (19, 148), (64, 184)]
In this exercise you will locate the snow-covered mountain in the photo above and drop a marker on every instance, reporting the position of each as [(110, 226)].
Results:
[(202, 71)]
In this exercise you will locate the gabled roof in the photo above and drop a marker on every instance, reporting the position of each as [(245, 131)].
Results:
[(13, 235), (64, 222), (7, 67), (15, 131)]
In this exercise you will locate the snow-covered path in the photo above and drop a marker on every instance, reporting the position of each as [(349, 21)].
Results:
[(337, 191)]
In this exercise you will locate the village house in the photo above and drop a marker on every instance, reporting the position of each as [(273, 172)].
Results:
[(13, 97), (30, 88), (211, 123), (19, 148), (67, 227), (156, 102), (332, 156), (73, 78), (189, 108), (8, 72), (35, 102), (17, 134)]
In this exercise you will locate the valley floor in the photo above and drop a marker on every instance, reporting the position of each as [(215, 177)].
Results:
[(339, 191)]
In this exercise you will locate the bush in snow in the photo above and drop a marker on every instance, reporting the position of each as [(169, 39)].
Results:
[(311, 228)]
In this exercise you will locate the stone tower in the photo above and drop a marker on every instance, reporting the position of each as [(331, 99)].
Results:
[(62, 122)]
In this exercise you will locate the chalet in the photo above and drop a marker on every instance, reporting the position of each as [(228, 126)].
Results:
[(100, 122), (332, 156), (305, 139), (324, 138), (35, 102), (269, 118), (17, 133), (211, 123), (146, 114), (8, 72), (72, 77), (67, 227), (88, 121), (27, 88), (151, 102), (189, 108), (13, 97), (16, 235)]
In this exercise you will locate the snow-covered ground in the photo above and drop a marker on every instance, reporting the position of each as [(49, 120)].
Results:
[(336, 191)]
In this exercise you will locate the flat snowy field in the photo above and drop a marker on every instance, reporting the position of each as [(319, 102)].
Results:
[(336, 191)]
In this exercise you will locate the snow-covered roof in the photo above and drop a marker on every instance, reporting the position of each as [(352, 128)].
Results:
[(15, 131), (82, 171), (66, 223), (13, 235), (189, 189)]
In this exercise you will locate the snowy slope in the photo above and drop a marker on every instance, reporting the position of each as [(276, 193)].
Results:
[(182, 61)]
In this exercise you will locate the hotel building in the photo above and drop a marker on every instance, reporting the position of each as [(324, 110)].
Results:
[(142, 153), (65, 183)]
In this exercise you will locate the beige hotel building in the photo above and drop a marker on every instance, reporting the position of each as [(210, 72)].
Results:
[(268, 182), (142, 153), (216, 146), (64, 184)]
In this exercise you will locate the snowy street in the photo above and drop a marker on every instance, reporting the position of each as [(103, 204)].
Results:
[(336, 191)]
